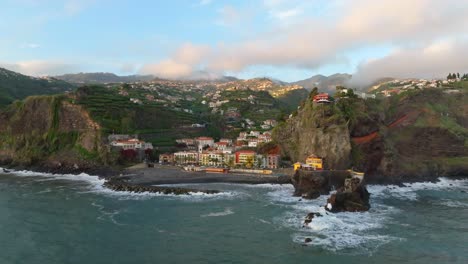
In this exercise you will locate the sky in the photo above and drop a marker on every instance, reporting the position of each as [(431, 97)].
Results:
[(287, 40)]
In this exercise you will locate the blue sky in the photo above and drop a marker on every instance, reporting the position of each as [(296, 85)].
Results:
[(287, 40)]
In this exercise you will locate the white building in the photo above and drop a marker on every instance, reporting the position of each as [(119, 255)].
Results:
[(131, 144)]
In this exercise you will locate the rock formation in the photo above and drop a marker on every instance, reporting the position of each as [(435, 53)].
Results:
[(352, 197), (122, 186)]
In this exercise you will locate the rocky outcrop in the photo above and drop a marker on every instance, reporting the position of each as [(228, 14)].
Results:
[(312, 184), (415, 136), (122, 186), (316, 130), (352, 197)]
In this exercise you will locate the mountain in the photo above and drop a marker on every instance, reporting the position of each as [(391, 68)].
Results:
[(290, 94), (14, 86), (324, 83), (102, 77)]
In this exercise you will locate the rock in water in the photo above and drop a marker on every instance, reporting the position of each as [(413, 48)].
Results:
[(311, 216), (308, 240), (353, 197)]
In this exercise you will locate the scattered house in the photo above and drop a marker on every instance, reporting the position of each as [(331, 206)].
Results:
[(149, 97), (391, 92), (186, 157), (186, 141), (201, 142), (254, 133), (115, 137), (315, 162), (221, 145), (252, 143), (270, 122), (136, 101), (133, 143), (166, 158), (198, 125), (226, 140), (245, 157), (322, 98), (211, 158)]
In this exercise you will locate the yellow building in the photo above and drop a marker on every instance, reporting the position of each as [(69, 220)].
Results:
[(315, 162), (297, 166)]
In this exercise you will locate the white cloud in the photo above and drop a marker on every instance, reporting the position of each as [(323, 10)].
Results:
[(432, 61), (205, 2), (40, 68), (28, 45), (313, 42)]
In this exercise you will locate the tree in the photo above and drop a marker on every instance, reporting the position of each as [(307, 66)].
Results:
[(458, 75), (449, 76)]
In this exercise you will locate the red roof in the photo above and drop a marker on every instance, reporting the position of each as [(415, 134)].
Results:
[(274, 151), (221, 143)]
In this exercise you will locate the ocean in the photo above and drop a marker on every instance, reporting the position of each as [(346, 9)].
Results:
[(72, 219)]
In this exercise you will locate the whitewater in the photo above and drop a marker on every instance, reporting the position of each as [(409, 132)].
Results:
[(47, 218)]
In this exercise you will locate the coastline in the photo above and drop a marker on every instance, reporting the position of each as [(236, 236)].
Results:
[(161, 175)]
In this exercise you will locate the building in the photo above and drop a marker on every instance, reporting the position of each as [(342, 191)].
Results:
[(211, 158), (322, 98), (133, 143), (204, 141), (166, 158), (227, 140), (186, 157), (186, 141), (221, 145), (245, 157), (315, 162), (273, 158), (115, 137)]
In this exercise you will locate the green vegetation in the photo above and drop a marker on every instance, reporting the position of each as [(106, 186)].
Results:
[(15, 86)]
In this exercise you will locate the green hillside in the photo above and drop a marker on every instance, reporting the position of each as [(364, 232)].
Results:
[(153, 121), (15, 86)]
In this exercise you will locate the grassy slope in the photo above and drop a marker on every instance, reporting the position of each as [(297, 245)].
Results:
[(153, 121), (15, 86)]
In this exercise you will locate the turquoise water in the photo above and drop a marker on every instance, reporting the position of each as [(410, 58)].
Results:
[(72, 219)]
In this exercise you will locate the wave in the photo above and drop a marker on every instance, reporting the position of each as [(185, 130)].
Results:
[(409, 190), (227, 211), (95, 185), (332, 231)]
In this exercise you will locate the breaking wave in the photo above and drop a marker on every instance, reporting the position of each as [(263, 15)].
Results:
[(95, 185), (227, 211)]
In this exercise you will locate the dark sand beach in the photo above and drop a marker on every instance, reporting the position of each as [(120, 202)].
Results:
[(159, 175)]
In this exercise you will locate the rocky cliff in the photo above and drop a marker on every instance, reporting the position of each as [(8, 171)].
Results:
[(417, 135), (316, 129), (51, 132)]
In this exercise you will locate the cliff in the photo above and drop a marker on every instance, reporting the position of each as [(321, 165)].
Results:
[(417, 135), (50, 132), (316, 129)]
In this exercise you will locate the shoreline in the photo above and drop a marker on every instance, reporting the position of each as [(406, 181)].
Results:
[(161, 175)]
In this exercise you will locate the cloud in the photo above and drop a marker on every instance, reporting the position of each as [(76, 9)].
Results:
[(28, 45), (313, 42), (41, 68), (205, 2), (434, 60)]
